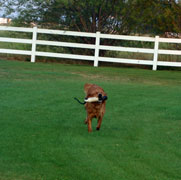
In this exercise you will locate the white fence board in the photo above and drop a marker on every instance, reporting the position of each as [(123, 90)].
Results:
[(169, 52), (96, 47), (17, 29), (16, 40), (174, 64), (131, 38), (127, 61), (12, 51), (67, 56), (96, 59), (126, 49), (66, 33), (169, 40), (155, 55), (33, 48), (65, 44)]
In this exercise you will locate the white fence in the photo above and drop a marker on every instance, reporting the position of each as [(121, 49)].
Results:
[(96, 47)]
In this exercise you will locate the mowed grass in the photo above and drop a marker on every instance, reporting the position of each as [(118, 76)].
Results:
[(43, 135)]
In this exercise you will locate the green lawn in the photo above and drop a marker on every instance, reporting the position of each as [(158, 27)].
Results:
[(43, 135)]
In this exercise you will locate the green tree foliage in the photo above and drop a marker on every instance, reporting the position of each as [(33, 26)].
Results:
[(81, 15), (155, 16), (107, 16)]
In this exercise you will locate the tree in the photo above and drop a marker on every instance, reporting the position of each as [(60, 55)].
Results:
[(106, 16), (83, 15), (155, 16)]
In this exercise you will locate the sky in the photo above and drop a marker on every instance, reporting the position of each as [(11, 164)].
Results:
[(12, 15), (1, 13)]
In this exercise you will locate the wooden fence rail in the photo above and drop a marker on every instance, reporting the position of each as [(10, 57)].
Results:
[(96, 47)]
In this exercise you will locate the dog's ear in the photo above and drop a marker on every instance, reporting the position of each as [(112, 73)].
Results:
[(87, 86)]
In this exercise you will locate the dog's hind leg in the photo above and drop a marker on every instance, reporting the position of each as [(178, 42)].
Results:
[(86, 121)]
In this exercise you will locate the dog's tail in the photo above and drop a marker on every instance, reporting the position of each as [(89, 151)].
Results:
[(79, 101)]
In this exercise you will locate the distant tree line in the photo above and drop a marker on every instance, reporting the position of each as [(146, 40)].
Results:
[(106, 16)]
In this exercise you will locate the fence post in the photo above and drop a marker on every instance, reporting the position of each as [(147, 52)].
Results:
[(33, 50), (96, 56), (155, 58)]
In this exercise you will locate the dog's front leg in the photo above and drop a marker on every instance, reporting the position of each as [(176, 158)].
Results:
[(99, 122), (89, 122)]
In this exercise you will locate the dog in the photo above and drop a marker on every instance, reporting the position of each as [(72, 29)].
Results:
[(95, 104)]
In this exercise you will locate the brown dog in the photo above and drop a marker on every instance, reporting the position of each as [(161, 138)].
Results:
[(95, 103)]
